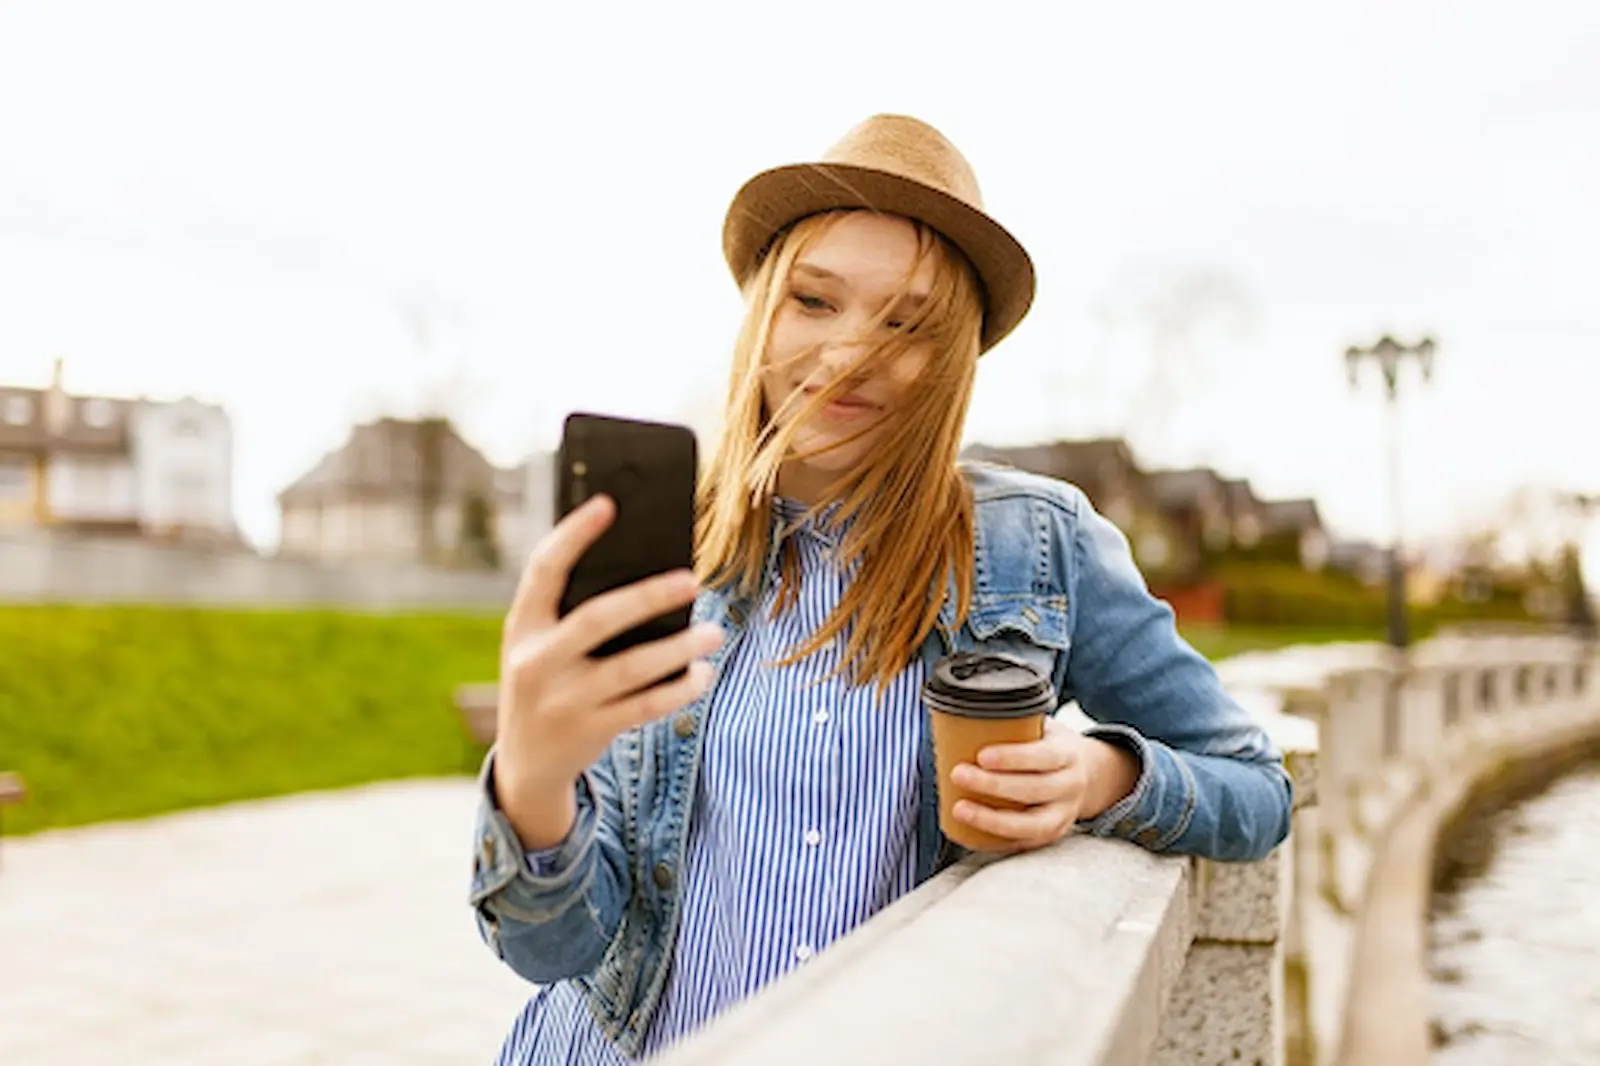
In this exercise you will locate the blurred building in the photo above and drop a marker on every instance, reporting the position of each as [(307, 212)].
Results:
[(1245, 522), (1197, 503), (1367, 561), (539, 501), (406, 491), (1104, 468), (162, 470), (1107, 472), (1297, 523)]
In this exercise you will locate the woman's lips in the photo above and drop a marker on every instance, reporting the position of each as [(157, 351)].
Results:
[(844, 407)]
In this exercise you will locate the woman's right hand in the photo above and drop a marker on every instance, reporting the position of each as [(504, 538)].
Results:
[(559, 709)]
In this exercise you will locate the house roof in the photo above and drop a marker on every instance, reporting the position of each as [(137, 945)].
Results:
[(1102, 467), (383, 459), (1071, 460), (1290, 516), (1187, 488), (47, 421)]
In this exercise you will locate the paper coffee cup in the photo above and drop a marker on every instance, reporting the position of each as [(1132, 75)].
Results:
[(976, 699)]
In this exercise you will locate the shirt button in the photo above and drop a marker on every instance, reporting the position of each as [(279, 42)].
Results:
[(813, 837), (663, 875), (821, 717), (803, 952)]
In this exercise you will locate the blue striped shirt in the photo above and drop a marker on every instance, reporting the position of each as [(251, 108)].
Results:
[(802, 825)]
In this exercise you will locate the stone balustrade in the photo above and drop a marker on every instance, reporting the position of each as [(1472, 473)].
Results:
[(1404, 743), (1097, 952)]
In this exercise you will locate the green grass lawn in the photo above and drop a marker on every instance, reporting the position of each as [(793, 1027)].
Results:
[(121, 712), (1220, 642), (112, 712)]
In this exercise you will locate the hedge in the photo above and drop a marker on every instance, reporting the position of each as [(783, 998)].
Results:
[(1287, 595)]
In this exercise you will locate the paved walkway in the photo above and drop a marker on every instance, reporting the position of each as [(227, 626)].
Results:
[(329, 928)]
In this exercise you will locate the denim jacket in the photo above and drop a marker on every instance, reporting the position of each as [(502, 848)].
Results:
[(1054, 582)]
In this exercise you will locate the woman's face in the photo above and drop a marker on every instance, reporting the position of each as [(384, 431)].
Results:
[(836, 290)]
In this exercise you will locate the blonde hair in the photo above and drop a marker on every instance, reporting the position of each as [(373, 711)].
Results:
[(907, 512)]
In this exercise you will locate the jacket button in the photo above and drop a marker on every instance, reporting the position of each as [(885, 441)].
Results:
[(736, 614), (1148, 836), (683, 725), (663, 875)]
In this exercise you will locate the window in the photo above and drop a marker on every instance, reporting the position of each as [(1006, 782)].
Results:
[(98, 413), (19, 410), (16, 481)]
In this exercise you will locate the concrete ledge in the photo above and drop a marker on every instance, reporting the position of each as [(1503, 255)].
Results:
[(1228, 1008), (1069, 955)]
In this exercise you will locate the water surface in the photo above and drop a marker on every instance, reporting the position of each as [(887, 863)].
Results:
[(1516, 940)]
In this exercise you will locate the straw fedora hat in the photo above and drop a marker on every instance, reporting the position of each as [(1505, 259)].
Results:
[(900, 166)]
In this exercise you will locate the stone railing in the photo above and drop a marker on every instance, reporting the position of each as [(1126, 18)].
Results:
[(1097, 952), (1404, 743)]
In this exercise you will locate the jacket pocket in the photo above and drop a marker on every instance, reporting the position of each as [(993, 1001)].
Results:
[(613, 984), (1031, 627)]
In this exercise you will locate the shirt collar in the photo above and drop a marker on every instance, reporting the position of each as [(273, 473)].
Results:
[(790, 520)]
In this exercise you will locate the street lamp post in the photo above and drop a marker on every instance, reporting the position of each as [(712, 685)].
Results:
[(1580, 615), (1390, 354)]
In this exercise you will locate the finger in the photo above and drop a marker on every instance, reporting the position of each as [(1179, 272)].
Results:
[(1026, 788), (1035, 756), (544, 578), (629, 671), (1035, 823), (660, 700), (613, 613)]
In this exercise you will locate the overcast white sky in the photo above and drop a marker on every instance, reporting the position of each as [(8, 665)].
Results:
[(239, 200)]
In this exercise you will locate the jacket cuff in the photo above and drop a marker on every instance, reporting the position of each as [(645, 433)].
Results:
[(1157, 811), (528, 883)]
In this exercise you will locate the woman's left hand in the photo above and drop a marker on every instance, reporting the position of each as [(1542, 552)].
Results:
[(1059, 780)]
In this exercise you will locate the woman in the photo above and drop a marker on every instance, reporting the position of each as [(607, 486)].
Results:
[(653, 856)]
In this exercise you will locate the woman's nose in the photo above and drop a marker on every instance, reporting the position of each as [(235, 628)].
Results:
[(840, 359)]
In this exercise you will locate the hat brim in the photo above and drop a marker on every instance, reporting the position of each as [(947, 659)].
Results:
[(777, 198)]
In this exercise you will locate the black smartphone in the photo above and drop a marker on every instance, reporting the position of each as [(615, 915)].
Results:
[(649, 470)]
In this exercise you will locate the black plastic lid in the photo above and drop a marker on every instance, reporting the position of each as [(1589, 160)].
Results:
[(988, 685)]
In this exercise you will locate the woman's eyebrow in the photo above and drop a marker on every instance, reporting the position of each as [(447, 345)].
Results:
[(909, 300), (816, 271)]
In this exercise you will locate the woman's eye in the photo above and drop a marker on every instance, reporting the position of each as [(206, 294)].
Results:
[(812, 303)]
